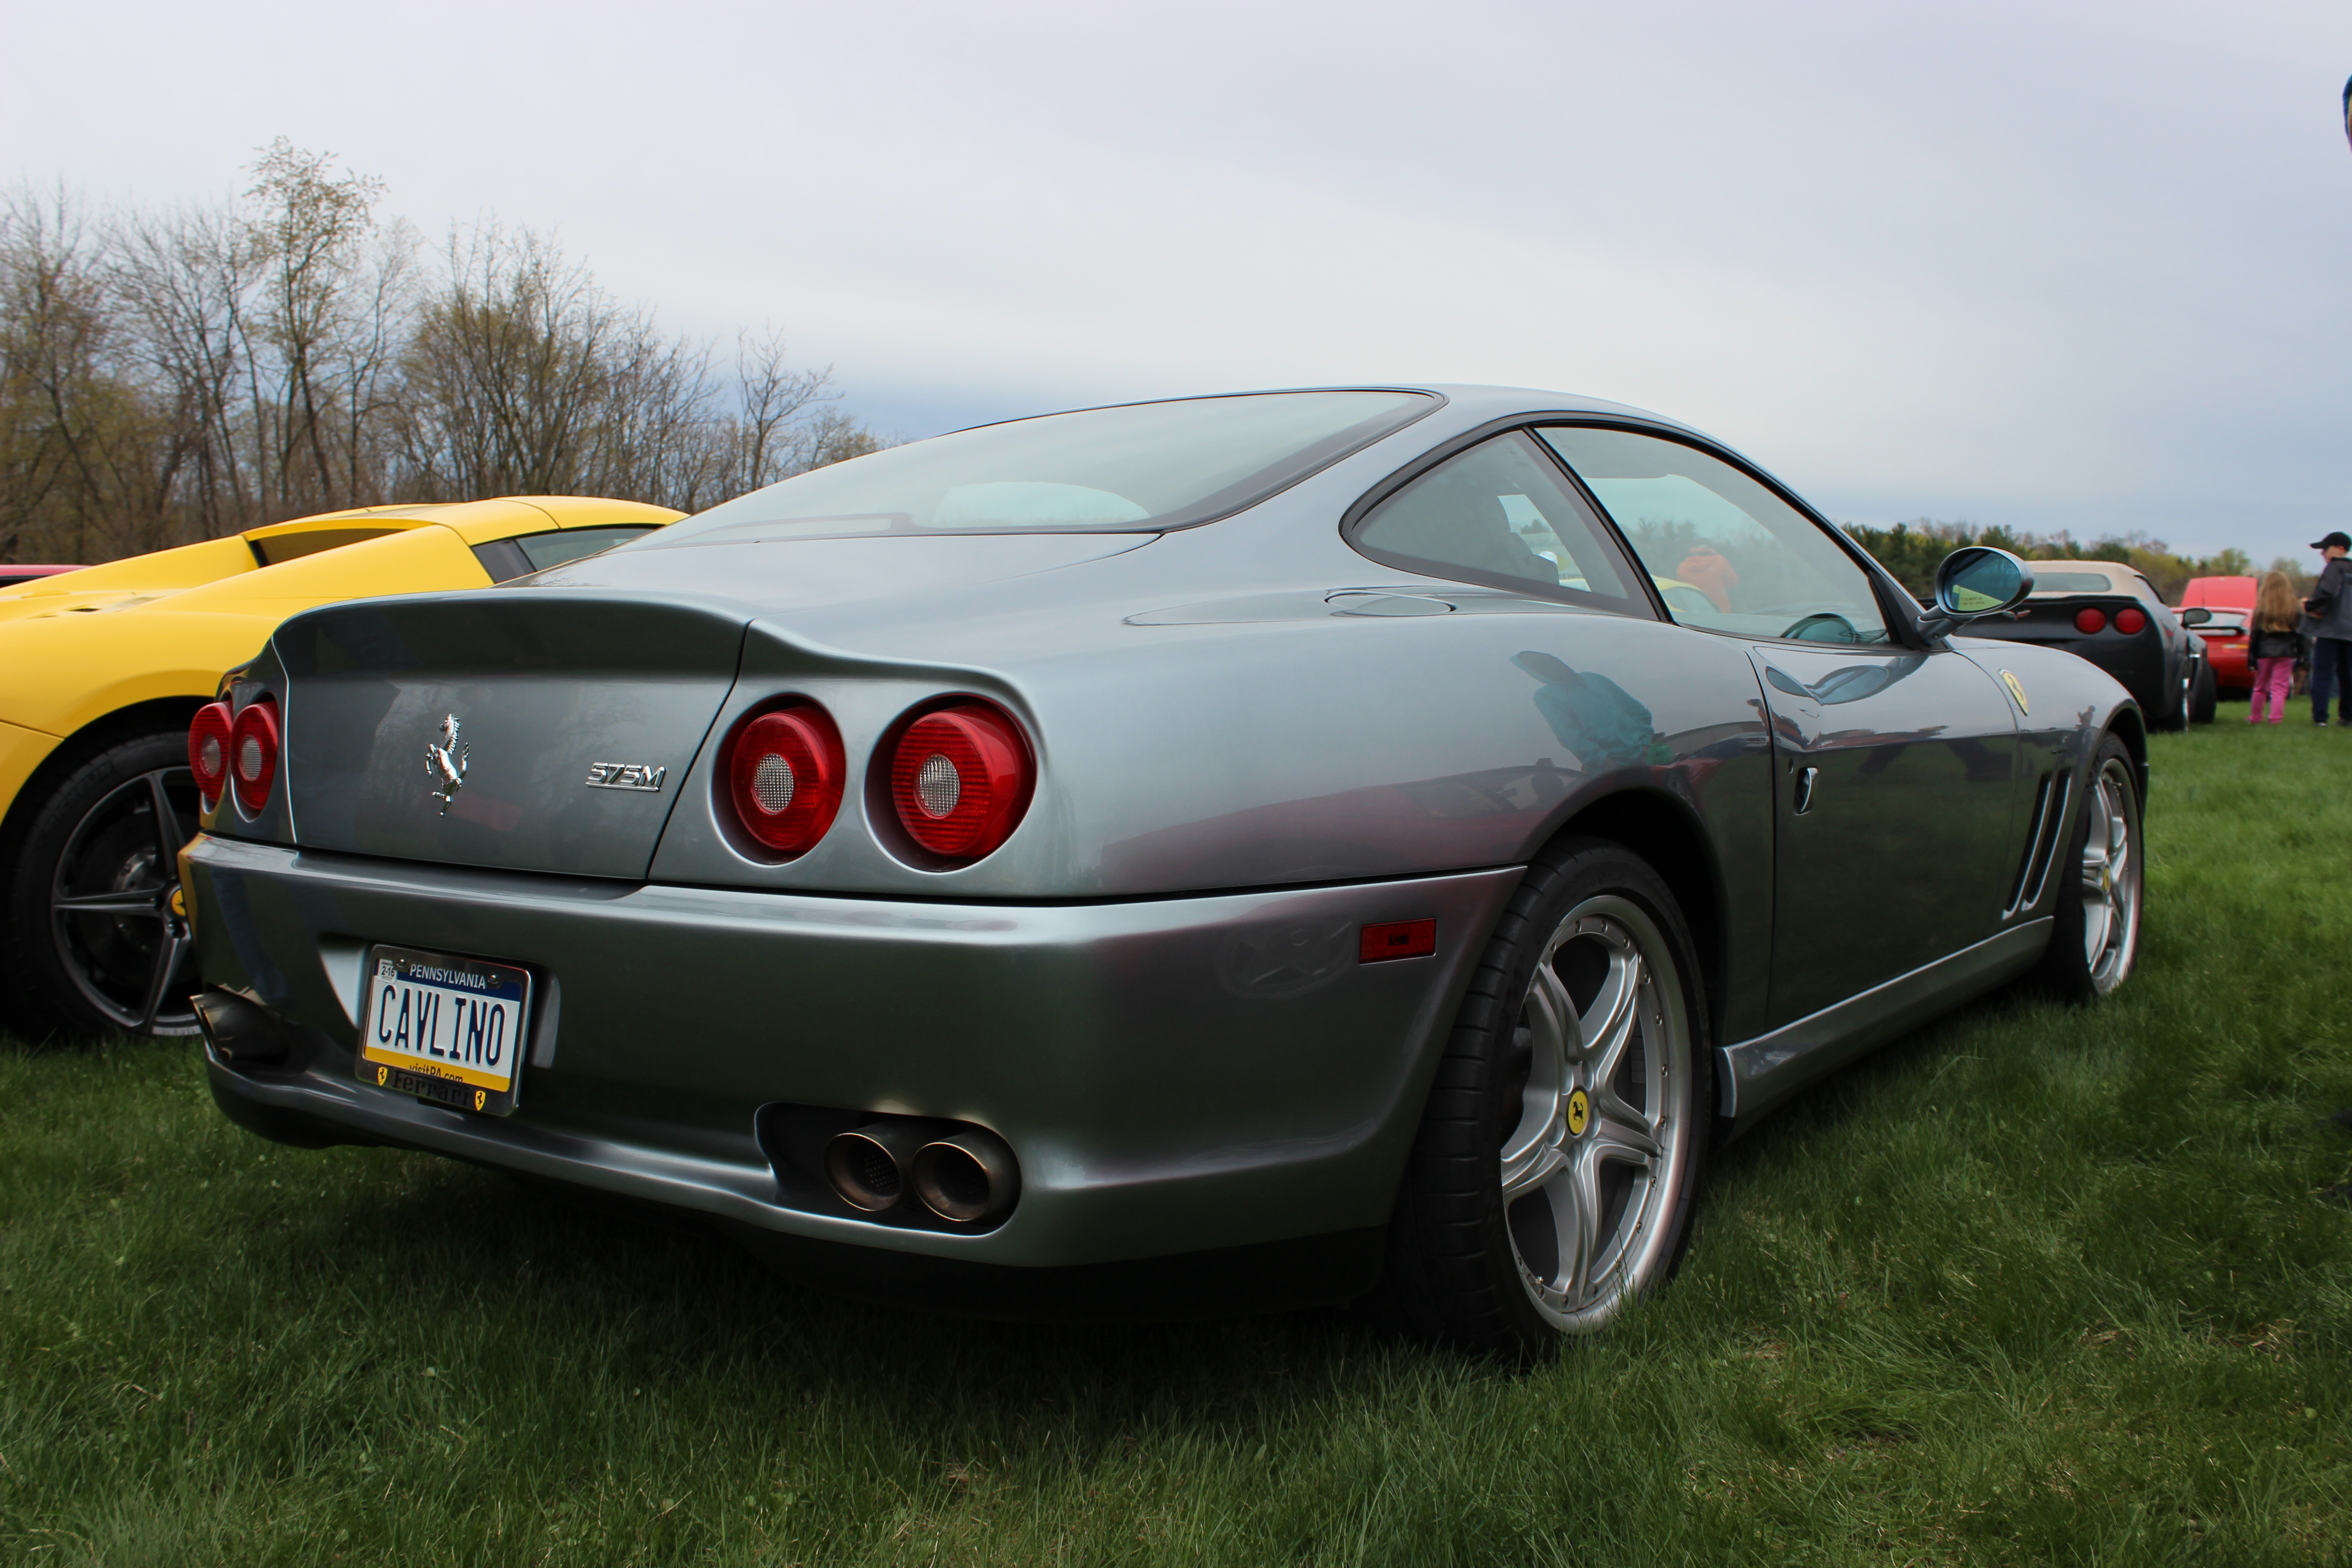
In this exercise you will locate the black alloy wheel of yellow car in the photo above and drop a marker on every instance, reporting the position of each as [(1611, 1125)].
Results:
[(93, 942)]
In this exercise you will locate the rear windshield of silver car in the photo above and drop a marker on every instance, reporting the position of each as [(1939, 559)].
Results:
[(1141, 466)]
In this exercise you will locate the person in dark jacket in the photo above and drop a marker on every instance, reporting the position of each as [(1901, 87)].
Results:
[(2328, 622)]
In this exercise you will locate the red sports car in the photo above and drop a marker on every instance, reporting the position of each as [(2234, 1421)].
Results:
[(2232, 600)]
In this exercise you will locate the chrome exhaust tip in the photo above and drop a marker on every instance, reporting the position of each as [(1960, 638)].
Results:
[(967, 1176), (237, 1030), (867, 1166)]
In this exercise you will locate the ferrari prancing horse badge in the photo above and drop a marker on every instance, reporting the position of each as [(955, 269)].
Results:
[(444, 764)]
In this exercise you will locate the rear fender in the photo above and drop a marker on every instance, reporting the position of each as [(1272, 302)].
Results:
[(1666, 834)]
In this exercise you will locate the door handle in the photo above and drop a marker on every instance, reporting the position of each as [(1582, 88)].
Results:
[(1802, 795)]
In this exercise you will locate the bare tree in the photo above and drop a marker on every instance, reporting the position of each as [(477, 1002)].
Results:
[(778, 405), (78, 439), (305, 234), (183, 374), (184, 278), (508, 371), (523, 376)]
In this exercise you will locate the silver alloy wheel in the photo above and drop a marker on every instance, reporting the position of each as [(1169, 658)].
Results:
[(117, 935), (2110, 873), (1594, 1168)]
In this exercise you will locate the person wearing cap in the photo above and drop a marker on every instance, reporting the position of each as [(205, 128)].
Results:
[(2329, 621)]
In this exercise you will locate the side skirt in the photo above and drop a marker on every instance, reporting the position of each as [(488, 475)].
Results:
[(1759, 1074)]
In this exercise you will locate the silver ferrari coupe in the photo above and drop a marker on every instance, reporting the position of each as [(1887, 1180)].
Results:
[(1343, 845)]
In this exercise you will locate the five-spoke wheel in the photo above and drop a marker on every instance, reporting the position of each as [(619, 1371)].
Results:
[(2110, 876), (97, 938), (1601, 1112), (2095, 921), (1554, 1173)]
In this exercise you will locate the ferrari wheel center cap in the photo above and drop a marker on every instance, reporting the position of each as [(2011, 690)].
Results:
[(1579, 1113)]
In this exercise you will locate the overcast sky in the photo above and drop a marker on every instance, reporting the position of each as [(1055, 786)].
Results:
[(2051, 266)]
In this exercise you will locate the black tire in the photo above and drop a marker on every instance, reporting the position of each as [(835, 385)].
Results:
[(2069, 968), (2203, 695), (1463, 1267), (98, 836), (2172, 713)]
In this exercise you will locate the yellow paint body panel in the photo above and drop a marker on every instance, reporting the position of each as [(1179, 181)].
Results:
[(82, 645), (21, 752), (141, 577)]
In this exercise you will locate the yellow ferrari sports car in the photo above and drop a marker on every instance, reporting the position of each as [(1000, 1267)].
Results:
[(102, 668)]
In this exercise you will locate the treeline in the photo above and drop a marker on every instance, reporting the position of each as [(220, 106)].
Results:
[(1913, 549), (170, 377)]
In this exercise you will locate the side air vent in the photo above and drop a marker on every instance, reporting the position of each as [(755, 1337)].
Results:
[(2050, 816), (2027, 862)]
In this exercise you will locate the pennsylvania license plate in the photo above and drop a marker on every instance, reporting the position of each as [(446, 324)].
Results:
[(445, 1028)]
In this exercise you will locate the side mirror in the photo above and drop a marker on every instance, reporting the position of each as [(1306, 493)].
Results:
[(2195, 616), (1976, 581)]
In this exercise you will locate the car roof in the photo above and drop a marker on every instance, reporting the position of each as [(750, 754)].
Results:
[(2231, 593)]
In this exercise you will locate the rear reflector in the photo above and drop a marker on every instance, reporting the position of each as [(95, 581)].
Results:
[(783, 771), (1397, 939), (208, 752), (2089, 621), (253, 754), (2130, 622), (961, 778)]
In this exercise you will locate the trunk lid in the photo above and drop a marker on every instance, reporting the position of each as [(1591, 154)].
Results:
[(545, 692)]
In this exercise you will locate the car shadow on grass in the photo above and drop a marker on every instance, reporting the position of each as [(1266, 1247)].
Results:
[(494, 1282)]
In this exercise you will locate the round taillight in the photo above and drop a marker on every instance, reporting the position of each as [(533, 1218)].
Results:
[(2089, 621), (253, 754), (208, 739), (2130, 622), (784, 770), (961, 778)]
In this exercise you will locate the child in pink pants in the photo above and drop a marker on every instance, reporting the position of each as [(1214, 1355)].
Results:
[(2272, 646), (2273, 676)]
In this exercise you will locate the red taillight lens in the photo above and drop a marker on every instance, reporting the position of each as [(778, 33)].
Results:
[(784, 770), (961, 778), (2131, 622), (2089, 621), (208, 751), (253, 754)]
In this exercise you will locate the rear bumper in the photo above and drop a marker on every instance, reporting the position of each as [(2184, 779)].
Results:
[(2231, 669), (1176, 1076)]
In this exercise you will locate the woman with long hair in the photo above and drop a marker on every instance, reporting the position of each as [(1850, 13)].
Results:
[(2274, 644)]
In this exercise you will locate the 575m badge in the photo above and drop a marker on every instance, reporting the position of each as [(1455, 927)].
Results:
[(626, 775)]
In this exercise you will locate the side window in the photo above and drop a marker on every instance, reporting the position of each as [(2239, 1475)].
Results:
[(508, 558), (1501, 514), (1725, 553)]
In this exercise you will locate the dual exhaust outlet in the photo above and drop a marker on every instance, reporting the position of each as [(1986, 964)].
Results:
[(964, 1174)]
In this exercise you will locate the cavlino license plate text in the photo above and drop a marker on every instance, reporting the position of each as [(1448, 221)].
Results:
[(445, 1028)]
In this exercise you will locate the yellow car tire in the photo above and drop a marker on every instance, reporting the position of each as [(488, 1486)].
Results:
[(91, 943)]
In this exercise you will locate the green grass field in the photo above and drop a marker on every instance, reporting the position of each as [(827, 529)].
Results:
[(2032, 1286)]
